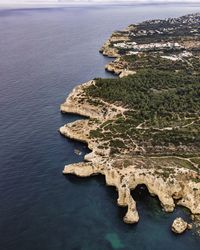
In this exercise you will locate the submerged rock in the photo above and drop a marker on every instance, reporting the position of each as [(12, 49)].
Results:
[(114, 240), (77, 152)]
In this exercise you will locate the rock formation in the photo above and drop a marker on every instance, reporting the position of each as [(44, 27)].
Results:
[(173, 178), (179, 226), (124, 172)]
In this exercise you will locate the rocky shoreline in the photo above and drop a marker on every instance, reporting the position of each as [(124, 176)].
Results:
[(117, 66), (178, 189), (123, 170)]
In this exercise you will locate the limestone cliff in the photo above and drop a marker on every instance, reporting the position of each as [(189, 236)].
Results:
[(132, 143), (108, 50), (125, 172), (120, 68)]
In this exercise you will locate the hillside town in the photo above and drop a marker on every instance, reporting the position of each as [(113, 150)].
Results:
[(173, 34)]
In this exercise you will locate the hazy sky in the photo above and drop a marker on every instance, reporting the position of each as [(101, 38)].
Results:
[(91, 1)]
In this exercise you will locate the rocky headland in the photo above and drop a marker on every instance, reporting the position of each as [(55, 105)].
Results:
[(179, 226), (138, 127)]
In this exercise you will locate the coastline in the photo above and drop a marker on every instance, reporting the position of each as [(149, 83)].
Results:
[(133, 176), (125, 172)]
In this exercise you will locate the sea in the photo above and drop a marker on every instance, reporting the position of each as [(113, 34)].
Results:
[(44, 54)]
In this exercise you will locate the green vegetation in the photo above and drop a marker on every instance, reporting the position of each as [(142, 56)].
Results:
[(196, 180), (156, 61), (163, 115), (152, 92), (165, 30), (163, 97)]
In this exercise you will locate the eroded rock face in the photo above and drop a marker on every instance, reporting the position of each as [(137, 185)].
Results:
[(173, 178), (119, 67), (179, 226), (125, 73), (73, 105), (108, 50), (125, 172)]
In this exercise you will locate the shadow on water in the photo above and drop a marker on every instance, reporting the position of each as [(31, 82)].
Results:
[(111, 194), (142, 196), (117, 234), (66, 117), (150, 207), (80, 149)]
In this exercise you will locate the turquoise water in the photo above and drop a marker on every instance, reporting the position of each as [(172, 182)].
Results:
[(44, 53)]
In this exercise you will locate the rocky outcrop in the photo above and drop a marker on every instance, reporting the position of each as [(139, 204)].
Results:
[(74, 105), (179, 226), (110, 51), (119, 67), (167, 177), (112, 178), (115, 66), (125, 73), (196, 223), (78, 103), (126, 177)]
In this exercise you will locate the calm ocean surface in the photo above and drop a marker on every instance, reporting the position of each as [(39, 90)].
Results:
[(44, 53)]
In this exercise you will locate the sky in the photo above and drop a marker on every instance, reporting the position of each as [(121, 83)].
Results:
[(7, 2)]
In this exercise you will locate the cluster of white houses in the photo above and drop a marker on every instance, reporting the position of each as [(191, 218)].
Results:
[(145, 47), (166, 31), (189, 24)]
